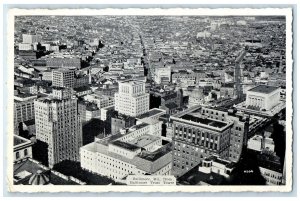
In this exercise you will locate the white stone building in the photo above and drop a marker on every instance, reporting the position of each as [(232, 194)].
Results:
[(132, 100), (162, 74), (138, 151), (22, 148), (263, 97), (259, 143)]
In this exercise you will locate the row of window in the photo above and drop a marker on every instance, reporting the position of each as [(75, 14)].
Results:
[(25, 152)]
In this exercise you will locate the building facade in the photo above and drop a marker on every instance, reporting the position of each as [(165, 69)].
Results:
[(162, 75), (200, 132), (63, 78), (23, 109), (101, 100), (137, 151), (263, 97), (58, 62), (22, 148), (59, 125), (132, 100), (196, 138), (27, 38)]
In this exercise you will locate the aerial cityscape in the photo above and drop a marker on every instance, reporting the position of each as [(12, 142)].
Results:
[(99, 100)]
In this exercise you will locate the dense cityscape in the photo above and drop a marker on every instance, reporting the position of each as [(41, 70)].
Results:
[(98, 99)]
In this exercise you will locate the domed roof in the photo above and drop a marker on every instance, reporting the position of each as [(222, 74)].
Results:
[(39, 179)]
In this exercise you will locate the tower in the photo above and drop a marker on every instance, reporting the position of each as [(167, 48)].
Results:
[(59, 125), (132, 100)]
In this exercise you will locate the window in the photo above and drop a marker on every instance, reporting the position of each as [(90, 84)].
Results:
[(17, 155), (25, 152)]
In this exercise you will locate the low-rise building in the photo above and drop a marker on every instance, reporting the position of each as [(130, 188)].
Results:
[(23, 109), (162, 75), (22, 148), (217, 165), (270, 167), (121, 122), (101, 100), (139, 150), (259, 143), (263, 97)]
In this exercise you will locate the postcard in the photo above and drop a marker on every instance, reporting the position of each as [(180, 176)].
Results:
[(150, 100)]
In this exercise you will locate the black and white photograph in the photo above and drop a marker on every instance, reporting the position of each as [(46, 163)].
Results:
[(160, 101)]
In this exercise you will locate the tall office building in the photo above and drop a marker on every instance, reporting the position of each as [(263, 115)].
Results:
[(59, 125), (132, 100), (63, 78), (202, 132)]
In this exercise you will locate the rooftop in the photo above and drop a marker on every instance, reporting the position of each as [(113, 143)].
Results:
[(194, 177), (151, 112), (144, 140), (153, 156), (206, 121), (125, 145), (25, 169), (25, 95), (263, 89), (29, 122), (62, 70), (19, 140), (83, 88), (139, 126)]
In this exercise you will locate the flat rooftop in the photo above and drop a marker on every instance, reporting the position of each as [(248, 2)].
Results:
[(18, 140), (263, 89), (150, 113), (63, 70), (125, 145), (200, 120), (139, 126), (132, 81), (109, 139), (25, 95), (144, 140), (153, 156)]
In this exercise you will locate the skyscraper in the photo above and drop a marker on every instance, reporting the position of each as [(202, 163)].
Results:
[(132, 100), (58, 124)]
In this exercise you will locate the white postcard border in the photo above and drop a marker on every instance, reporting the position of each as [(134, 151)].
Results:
[(157, 11)]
